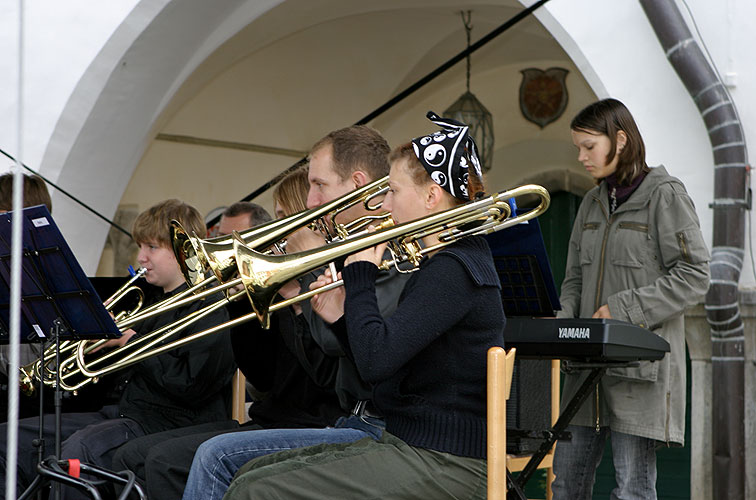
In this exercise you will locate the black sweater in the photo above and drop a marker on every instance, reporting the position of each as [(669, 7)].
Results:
[(427, 361)]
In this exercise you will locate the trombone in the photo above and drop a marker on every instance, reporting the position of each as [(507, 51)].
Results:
[(263, 275), (36, 369), (197, 256)]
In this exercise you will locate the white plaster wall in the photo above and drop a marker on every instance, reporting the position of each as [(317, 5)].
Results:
[(60, 41), (618, 53), (73, 50), (107, 123)]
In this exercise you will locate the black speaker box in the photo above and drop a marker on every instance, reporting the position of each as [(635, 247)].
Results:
[(529, 404)]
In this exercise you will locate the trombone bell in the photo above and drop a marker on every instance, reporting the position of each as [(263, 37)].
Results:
[(187, 254)]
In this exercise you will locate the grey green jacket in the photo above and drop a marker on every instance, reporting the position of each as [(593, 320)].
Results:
[(648, 262)]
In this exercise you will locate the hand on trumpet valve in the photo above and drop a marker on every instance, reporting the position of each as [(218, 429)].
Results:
[(372, 254), (328, 305), (119, 342)]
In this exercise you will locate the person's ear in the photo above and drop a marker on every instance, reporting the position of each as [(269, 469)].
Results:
[(359, 178), (434, 195), (621, 140)]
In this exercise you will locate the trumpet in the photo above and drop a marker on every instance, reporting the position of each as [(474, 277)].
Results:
[(263, 275)]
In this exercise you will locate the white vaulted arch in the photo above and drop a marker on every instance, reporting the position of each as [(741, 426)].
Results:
[(107, 122)]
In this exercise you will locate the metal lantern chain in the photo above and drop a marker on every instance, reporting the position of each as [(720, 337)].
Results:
[(468, 29), (470, 111)]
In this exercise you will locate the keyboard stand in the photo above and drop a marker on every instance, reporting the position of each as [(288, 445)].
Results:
[(552, 434)]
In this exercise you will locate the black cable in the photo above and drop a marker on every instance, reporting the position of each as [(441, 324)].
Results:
[(69, 195), (406, 92), (451, 62)]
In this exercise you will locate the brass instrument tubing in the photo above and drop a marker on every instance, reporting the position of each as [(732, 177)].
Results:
[(228, 324), (497, 207), (178, 300)]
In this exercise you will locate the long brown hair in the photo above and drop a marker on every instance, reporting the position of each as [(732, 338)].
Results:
[(607, 117), (35, 192)]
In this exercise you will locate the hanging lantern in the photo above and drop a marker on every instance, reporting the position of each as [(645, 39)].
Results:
[(470, 111)]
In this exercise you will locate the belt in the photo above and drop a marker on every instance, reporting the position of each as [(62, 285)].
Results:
[(365, 408)]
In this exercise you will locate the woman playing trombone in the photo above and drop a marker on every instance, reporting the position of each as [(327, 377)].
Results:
[(426, 361)]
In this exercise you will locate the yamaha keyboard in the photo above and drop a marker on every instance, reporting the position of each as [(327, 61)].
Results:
[(599, 343), (588, 340)]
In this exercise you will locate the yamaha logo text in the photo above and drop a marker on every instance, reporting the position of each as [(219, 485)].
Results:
[(574, 333)]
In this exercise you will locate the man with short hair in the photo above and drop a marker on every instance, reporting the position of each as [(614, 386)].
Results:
[(240, 216), (297, 394), (342, 161)]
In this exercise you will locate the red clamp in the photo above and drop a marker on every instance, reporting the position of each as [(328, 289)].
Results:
[(74, 467)]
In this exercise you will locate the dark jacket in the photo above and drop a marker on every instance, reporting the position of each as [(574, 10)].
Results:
[(427, 361), (187, 385), (269, 359), (348, 384)]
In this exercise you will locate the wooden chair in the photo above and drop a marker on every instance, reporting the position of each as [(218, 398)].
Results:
[(239, 397), (500, 367), (517, 463)]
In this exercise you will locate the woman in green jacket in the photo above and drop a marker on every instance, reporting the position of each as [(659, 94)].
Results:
[(636, 254)]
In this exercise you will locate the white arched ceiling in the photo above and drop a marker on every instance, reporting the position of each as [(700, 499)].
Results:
[(166, 54), (308, 67), (106, 124)]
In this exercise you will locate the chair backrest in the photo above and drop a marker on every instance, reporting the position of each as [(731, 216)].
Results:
[(499, 375), (239, 397)]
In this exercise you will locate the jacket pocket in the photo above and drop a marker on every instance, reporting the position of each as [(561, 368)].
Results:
[(588, 241), (646, 371), (630, 244), (691, 246)]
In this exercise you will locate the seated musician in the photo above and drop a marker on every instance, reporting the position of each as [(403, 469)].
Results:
[(343, 160), (426, 361), (187, 385), (636, 254), (35, 193), (295, 394)]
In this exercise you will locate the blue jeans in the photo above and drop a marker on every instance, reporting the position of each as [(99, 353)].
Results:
[(576, 461), (218, 459)]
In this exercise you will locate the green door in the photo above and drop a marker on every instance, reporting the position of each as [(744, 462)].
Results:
[(556, 226)]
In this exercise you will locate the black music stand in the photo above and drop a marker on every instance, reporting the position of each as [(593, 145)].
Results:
[(57, 300)]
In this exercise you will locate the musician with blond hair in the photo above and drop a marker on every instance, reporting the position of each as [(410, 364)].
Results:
[(296, 394), (187, 385)]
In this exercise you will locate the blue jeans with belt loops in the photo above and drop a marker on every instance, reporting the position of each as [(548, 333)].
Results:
[(576, 461), (218, 459)]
